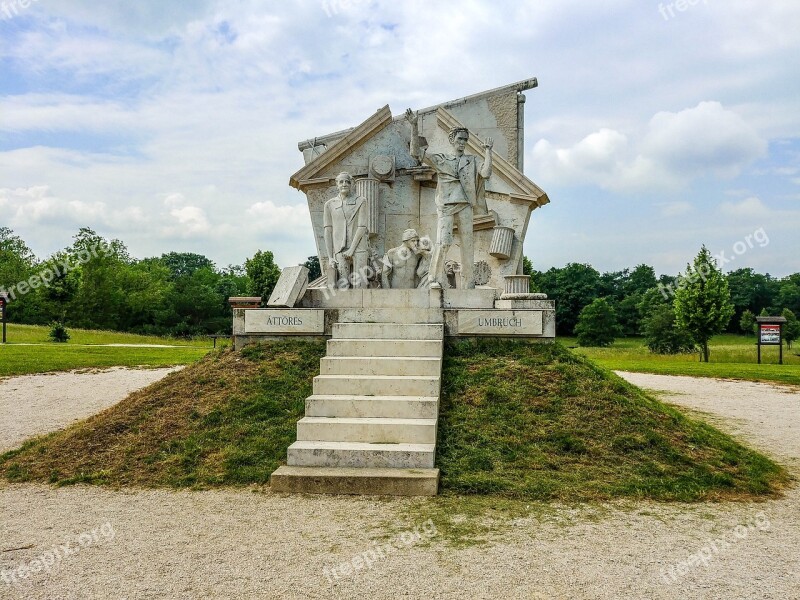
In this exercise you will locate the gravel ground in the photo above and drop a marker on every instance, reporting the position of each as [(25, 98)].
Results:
[(241, 544), (36, 404)]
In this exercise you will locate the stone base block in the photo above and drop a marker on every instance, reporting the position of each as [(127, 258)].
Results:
[(379, 482), (361, 455)]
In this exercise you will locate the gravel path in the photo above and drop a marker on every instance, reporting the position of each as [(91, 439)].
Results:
[(36, 404), (241, 544)]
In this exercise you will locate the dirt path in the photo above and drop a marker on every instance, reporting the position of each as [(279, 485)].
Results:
[(240, 544), (35, 404)]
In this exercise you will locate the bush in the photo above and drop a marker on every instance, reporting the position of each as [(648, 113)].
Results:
[(597, 324), (58, 333), (662, 335)]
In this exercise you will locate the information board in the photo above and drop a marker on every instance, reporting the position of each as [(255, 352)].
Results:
[(770, 334)]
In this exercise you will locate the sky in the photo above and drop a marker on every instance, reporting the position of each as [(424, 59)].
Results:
[(173, 126)]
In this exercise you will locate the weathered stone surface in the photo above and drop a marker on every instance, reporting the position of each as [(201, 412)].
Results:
[(500, 322), (290, 287), (404, 197), (362, 481), (284, 322)]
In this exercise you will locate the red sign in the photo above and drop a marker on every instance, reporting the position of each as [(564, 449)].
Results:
[(770, 334)]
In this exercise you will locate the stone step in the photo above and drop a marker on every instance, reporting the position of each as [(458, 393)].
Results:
[(382, 365), (361, 455), (385, 348), (389, 407), (349, 480), (376, 385), (372, 430), (393, 331)]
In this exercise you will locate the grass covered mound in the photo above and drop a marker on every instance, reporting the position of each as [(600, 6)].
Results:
[(533, 421), (226, 420), (517, 420)]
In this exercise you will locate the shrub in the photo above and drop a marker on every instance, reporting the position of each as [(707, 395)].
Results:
[(58, 333), (662, 335), (597, 324)]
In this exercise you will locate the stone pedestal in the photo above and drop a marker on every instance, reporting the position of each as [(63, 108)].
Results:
[(517, 284)]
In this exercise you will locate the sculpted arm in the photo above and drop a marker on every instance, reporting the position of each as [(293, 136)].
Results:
[(328, 234), (413, 119), (361, 228), (486, 169)]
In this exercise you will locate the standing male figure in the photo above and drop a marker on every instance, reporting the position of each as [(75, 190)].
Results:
[(346, 238), (459, 190)]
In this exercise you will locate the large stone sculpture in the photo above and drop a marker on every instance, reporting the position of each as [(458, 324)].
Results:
[(346, 236), (460, 190), (400, 264)]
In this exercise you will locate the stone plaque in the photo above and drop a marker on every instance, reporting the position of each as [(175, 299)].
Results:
[(290, 287), (284, 322), (500, 322)]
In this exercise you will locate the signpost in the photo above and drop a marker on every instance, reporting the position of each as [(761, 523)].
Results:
[(3, 304), (770, 333)]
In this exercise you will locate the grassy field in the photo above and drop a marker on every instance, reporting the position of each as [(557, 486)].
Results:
[(518, 421), (37, 334), (30, 351), (732, 357)]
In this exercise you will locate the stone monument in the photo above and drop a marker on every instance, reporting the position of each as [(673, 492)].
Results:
[(419, 221)]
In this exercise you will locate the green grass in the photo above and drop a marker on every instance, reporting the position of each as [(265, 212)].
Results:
[(38, 334), (518, 422), (29, 351), (732, 357), (537, 422), (226, 420)]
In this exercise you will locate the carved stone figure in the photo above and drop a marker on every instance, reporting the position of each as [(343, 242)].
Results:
[(346, 236), (424, 265), (400, 264), (459, 191)]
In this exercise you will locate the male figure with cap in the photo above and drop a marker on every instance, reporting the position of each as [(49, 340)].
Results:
[(346, 237), (460, 190), (400, 264)]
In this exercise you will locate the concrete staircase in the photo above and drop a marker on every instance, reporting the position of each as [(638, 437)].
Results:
[(370, 426)]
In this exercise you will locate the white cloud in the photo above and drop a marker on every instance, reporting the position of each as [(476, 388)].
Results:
[(749, 208), (677, 148), (675, 209)]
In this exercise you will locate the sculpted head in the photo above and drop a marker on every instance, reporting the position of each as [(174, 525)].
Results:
[(459, 136), (344, 182), (411, 239)]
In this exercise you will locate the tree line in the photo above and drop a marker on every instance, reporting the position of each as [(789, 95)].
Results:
[(599, 307), (96, 284)]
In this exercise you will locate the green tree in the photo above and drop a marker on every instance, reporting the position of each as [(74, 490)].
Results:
[(703, 304), (789, 293), (747, 322), (573, 288), (185, 263), (791, 329), (661, 333), (314, 269), (597, 324), (751, 291), (263, 274)]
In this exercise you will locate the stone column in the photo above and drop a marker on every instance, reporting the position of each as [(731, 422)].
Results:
[(369, 188), (502, 242)]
